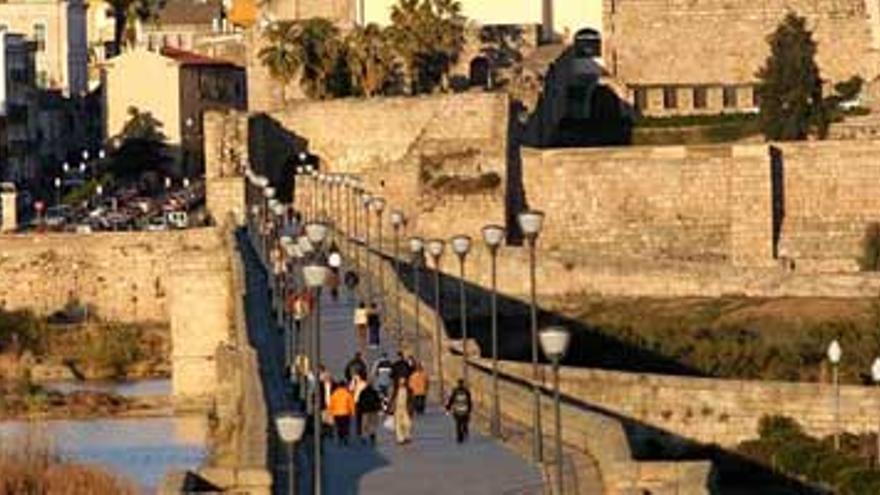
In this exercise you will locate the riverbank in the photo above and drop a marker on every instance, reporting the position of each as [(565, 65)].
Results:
[(36, 402)]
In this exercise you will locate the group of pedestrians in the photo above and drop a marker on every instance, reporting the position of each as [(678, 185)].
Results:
[(396, 389)]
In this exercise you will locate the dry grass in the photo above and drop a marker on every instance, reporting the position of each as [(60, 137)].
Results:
[(29, 465)]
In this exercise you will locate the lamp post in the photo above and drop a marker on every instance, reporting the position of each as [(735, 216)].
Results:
[(290, 429), (461, 245), (435, 249), (875, 375), (554, 343), (357, 194), (315, 275), (530, 222), (268, 194), (366, 199), (417, 248), (57, 183), (311, 171), (378, 205), (493, 235), (397, 221), (834, 355)]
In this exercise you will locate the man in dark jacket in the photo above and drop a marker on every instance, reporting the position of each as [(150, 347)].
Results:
[(460, 405), (369, 405), (356, 367), (400, 368)]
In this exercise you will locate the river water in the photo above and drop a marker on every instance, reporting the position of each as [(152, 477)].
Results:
[(141, 449)]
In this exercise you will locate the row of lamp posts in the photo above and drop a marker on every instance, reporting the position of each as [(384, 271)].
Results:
[(530, 223), (553, 341)]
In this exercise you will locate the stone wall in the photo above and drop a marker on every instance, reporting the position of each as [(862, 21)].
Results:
[(669, 43), (122, 276), (745, 205), (404, 148), (180, 277), (708, 410)]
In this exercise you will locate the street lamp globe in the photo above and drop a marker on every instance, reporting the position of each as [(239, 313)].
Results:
[(834, 352), (82, 167), (309, 169), (269, 192), (531, 222), (99, 190), (378, 205), (397, 219), (303, 156), (261, 181), (416, 245), (875, 370), (436, 247), (85, 154), (57, 182), (65, 167), (102, 154), (366, 199), (315, 275), (290, 427), (461, 245), (554, 342), (273, 203), (279, 209), (316, 232), (493, 235), (185, 182)]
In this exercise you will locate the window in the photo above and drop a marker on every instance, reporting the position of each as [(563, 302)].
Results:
[(756, 97), (640, 98), (670, 98), (40, 36), (701, 97), (729, 97)]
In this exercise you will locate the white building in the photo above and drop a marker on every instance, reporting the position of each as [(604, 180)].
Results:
[(58, 27)]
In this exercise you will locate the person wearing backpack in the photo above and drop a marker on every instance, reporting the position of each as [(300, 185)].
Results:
[(369, 405), (459, 405)]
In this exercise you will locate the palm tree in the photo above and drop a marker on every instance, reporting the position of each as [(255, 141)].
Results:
[(428, 35), (283, 55), (310, 48), (370, 59)]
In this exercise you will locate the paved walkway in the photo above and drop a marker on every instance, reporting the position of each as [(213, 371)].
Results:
[(432, 464)]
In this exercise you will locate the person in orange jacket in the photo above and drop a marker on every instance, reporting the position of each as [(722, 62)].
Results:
[(418, 383), (341, 409)]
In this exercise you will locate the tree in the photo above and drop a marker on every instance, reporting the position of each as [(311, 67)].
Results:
[(311, 49), (370, 59), (142, 147), (790, 88), (428, 35), (126, 13)]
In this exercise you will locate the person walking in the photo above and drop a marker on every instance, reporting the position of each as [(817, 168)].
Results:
[(361, 320), (356, 367), (374, 325), (356, 386), (401, 408), (326, 381), (460, 405), (400, 368), (418, 383), (369, 405), (341, 409), (381, 374)]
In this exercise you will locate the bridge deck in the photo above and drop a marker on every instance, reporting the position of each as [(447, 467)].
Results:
[(433, 463)]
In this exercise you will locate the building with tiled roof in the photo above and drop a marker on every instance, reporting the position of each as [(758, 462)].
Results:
[(176, 86)]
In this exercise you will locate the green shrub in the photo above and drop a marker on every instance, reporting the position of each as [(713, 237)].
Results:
[(111, 349)]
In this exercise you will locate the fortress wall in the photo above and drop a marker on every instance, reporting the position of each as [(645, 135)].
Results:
[(830, 196), (670, 42), (123, 276), (671, 202)]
